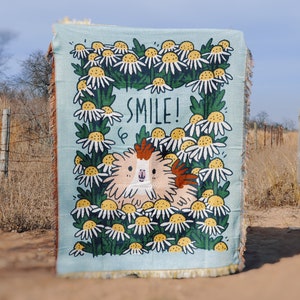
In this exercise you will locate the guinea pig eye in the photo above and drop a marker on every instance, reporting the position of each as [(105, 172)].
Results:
[(130, 168), (153, 171)]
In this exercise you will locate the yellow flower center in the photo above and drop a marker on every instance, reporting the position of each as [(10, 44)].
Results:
[(92, 56), (81, 85), (205, 141), (162, 204), (215, 201), (177, 134), (170, 57), (177, 219), (142, 221), (96, 72), (207, 193), (88, 105), (118, 227), (97, 45), (215, 117), (107, 53), (129, 58), (194, 55), (221, 246), (186, 144), (128, 208), (210, 222), (78, 246), (151, 52), (195, 171), (96, 136), (171, 156), (198, 206), (217, 49), (224, 43), (147, 205), (159, 238), (186, 46), (169, 44), (158, 133), (108, 159), (135, 246), (88, 225), (77, 160), (216, 164), (195, 119), (206, 76), (109, 205), (83, 203), (219, 72), (79, 47), (158, 81), (184, 241), (91, 171), (121, 45), (107, 109), (175, 249)]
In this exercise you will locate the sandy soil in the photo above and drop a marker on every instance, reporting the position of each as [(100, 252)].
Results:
[(27, 268)]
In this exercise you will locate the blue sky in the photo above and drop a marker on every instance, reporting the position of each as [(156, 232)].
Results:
[(271, 29)]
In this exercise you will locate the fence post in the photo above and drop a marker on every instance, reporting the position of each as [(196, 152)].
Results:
[(298, 168), (4, 146)]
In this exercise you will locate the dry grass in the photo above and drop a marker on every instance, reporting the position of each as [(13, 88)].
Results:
[(26, 194)]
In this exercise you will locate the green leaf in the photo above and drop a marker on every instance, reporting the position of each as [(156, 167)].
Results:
[(138, 48)]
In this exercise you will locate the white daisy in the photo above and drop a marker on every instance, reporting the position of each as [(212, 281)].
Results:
[(177, 223), (151, 57), (225, 45), (170, 62), (197, 210), (91, 176), (184, 49), (78, 167), (92, 61), (196, 171), (162, 208), (160, 242), (129, 212), (130, 64), (107, 163), (120, 47), (183, 154), (89, 229), (176, 138), (206, 194), (108, 58), (158, 85), (195, 60), (193, 126), (217, 205), (217, 55), (206, 82), (157, 135), (80, 51), (142, 225), (82, 87), (168, 46), (215, 122), (83, 207), (98, 47), (77, 250), (210, 226), (95, 141), (187, 245), (97, 78), (205, 147), (117, 231), (89, 112), (108, 210), (111, 115), (135, 248), (220, 73)]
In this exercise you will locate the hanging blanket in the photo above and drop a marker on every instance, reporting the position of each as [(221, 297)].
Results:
[(149, 128)]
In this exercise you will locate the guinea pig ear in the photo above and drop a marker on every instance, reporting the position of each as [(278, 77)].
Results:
[(144, 150)]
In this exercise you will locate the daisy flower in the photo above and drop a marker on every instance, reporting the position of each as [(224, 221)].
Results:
[(83, 207), (193, 126), (215, 122), (172, 157), (206, 82), (176, 223), (95, 141), (145, 207), (220, 247), (111, 115), (142, 225), (77, 250), (108, 58), (129, 211), (167, 46), (88, 112), (130, 64), (160, 242), (170, 62), (120, 47), (196, 171), (117, 231), (195, 60), (184, 49), (107, 163), (197, 210), (216, 171), (157, 135), (91, 176), (107, 210), (82, 86), (175, 249), (217, 55), (176, 138), (217, 204), (151, 57), (97, 78), (186, 244), (92, 62), (183, 153), (162, 208), (80, 51), (225, 45), (206, 194), (220, 73), (89, 229), (98, 47), (210, 226), (158, 85), (205, 147), (135, 248), (78, 168)]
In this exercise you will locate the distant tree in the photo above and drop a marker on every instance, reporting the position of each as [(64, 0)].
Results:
[(35, 74), (262, 118), (289, 124)]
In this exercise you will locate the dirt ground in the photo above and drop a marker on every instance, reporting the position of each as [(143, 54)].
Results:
[(27, 268)]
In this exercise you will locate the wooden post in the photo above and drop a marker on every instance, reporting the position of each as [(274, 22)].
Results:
[(298, 169), (4, 146), (255, 135)]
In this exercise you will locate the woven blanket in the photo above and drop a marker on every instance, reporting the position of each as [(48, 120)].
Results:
[(149, 130)]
